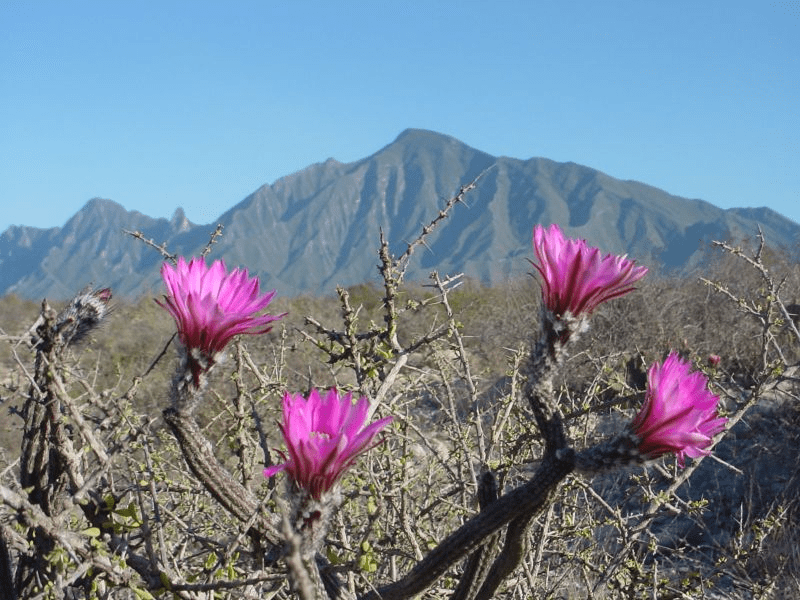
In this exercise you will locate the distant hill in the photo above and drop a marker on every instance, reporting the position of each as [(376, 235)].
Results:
[(319, 227)]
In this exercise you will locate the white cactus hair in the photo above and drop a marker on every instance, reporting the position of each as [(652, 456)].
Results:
[(83, 314)]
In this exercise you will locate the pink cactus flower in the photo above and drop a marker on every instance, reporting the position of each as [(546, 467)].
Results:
[(576, 278), (679, 413), (713, 360), (323, 436), (210, 306)]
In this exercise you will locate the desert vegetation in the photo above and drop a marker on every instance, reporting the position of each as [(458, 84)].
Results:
[(509, 461)]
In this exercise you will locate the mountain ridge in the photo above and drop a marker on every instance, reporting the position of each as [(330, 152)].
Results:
[(318, 227)]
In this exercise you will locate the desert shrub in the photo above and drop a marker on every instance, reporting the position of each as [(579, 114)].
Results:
[(501, 474)]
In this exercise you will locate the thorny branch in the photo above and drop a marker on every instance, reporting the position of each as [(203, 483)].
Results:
[(65, 526)]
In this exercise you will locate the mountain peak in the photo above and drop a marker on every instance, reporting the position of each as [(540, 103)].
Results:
[(179, 222), (102, 205), (424, 137), (97, 210)]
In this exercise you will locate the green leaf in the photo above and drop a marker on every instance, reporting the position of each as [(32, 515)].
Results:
[(333, 557), (91, 532), (142, 594), (165, 580)]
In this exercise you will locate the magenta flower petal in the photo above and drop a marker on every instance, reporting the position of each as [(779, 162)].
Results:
[(679, 413), (211, 306), (324, 436), (273, 470), (575, 277)]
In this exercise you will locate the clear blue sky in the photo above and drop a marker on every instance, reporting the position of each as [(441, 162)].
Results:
[(196, 104)]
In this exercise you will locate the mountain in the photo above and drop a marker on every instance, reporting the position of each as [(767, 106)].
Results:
[(319, 227)]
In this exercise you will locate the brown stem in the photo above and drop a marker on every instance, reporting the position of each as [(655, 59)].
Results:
[(478, 565), (529, 498), (224, 488)]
